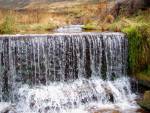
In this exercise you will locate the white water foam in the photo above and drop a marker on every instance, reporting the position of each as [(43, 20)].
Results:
[(4, 105), (77, 97)]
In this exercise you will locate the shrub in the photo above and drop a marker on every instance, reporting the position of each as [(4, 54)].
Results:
[(8, 25), (134, 43), (139, 47)]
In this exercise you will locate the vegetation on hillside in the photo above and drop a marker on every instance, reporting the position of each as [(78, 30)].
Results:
[(8, 26), (137, 28), (35, 16)]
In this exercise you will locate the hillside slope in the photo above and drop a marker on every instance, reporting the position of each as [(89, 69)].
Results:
[(25, 3)]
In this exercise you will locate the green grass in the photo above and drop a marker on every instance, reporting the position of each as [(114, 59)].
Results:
[(8, 26), (90, 26), (138, 37), (134, 39)]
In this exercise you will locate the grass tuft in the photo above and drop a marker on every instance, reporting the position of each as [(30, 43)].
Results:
[(8, 26)]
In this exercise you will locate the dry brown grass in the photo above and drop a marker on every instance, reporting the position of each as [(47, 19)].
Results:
[(109, 19), (58, 14), (36, 19), (1, 15)]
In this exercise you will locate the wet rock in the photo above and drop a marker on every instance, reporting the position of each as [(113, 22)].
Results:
[(47, 109), (144, 84), (147, 96), (145, 103), (109, 94), (141, 111), (107, 111), (92, 109)]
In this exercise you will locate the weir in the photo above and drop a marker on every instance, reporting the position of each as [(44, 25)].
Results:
[(58, 73)]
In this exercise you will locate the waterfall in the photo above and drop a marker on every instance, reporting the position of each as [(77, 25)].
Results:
[(60, 73)]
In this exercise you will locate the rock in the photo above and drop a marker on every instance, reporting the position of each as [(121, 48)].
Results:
[(145, 103), (141, 111), (147, 96), (139, 85), (144, 83), (107, 111), (109, 94)]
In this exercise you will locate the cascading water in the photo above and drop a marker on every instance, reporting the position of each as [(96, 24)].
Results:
[(65, 73)]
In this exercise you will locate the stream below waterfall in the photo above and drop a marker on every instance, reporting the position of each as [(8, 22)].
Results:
[(65, 73)]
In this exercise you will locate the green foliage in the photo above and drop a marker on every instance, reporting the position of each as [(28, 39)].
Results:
[(139, 47), (147, 71), (137, 28), (134, 39), (90, 26), (8, 26)]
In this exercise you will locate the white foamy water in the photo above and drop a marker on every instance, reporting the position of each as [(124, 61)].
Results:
[(70, 29), (4, 105), (77, 96)]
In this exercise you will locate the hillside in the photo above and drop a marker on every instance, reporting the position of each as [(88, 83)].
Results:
[(24, 3), (13, 3)]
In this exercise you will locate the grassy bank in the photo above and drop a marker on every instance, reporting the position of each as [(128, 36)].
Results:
[(17, 22), (137, 28)]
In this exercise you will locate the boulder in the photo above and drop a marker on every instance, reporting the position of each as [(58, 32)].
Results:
[(145, 103), (147, 96), (107, 111)]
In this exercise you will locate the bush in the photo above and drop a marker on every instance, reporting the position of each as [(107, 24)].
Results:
[(134, 39), (139, 47), (8, 26)]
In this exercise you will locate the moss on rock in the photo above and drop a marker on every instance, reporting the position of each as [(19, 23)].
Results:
[(145, 103)]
